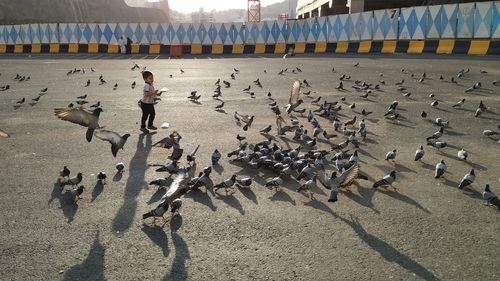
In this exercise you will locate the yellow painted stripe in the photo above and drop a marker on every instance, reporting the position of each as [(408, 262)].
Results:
[(218, 49), (238, 49), (416, 47), (154, 49), (320, 47), (18, 48), (364, 47), (113, 49), (36, 48), (73, 48), (260, 48), (135, 49), (445, 46), (3, 48), (280, 48), (300, 48), (389, 47), (54, 48), (93, 48), (342, 47), (196, 49), (477, 47)]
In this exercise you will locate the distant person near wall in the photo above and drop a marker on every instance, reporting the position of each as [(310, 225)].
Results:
[(123, 49), (129, 45)]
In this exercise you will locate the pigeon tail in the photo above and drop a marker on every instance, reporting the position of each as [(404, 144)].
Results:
[(333, 196), (90, 133), (147, 215)]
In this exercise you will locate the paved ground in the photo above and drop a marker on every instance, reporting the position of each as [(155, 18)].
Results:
[(429, 230)]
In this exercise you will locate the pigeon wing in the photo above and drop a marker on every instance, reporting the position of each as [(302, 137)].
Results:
[(111, 137), (175, 188), (324, 179), (165, 143), (75, 115), (3, 134), (295, 93), (347, 177)]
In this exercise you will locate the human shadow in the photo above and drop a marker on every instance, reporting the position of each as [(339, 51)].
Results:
[(366, 198), (92, 268), (388, 252), (135, 182), (403, 198), (178, 270), (318, 205), (231, 201), (157, 196), (158, 236), (97, 190)]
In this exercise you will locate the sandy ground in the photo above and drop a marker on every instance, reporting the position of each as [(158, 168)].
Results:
[(429, 230)]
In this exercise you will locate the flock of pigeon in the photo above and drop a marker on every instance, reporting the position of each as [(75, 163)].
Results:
[(305, 163)]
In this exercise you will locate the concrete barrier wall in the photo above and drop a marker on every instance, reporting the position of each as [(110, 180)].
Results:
[(440, 26)]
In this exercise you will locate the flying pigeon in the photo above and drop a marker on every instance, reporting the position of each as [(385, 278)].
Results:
[(117, 142), (81, 117), (335, 182), (294, 101)]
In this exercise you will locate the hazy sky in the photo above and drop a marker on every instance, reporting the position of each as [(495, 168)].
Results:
[(188, 6)]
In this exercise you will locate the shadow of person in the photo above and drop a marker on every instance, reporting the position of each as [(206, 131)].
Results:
[(318, 205), (68, 206), (403, 198), (178, 270), (158, 236), (135, 183), (388, 252), (366, 198), (92, 268), (98, 189)]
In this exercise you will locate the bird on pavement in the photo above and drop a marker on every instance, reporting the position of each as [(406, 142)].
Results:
[(386, 180), (467, 180), (227, 184), (490, 197)]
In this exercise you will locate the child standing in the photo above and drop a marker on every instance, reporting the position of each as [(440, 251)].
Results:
[(147, 102)]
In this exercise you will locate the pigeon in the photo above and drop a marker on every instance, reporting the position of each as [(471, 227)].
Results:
[(172, 140), (170, 199), (266, 130), (244, 182), (386, 180), (308, 185), (240, 138), (391, 155), (76, 192), (21, 101), (219, 107), (133, 85), (81, 117), (115, 86), (423, 114), (294, 101), (44, 90), (81, 102), (101, 178), (437, 144), (490, 197), (98, 104), (434, 103), (463, 154), (275, 182), (436, 135), (73, 181), (440, 169), (82, 97), (467, 180), (459, 104), (306, 83), (335, 182), (192, 157), (228, 183), (489, 133), (203, 179), (117, 142), (248, 120), (215, 157), (172, 168), (161, 183), (120, 167), (64, 173), (419, 153), (247, 88)]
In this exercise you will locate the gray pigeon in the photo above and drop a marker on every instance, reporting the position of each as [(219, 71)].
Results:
[(81, 117), (117, 142), (440, 169)]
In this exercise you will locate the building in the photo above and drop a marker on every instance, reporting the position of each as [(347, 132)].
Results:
[(202, 17), (319, 8)]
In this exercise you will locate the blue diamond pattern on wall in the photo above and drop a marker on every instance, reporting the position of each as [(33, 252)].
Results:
[(325, 29), (31, 33), (222, 33), (348, 27), (233, 33), (159, 33), (212, 33), (118, 32), (139, 33), (77, 33), (181, 33), (254, 32), (296, 30), (495, 17), (423, 22), (87, 33), (275, 31), (170, 33), (315, 29), (285, 30), (202, 33), (412, 23), (306, 29), (243, 32), (360, 26), (337, 28), (22, 34), (13, 35), (191, 33), (108, 33), (149, 33), (265, 32), (68, 34)]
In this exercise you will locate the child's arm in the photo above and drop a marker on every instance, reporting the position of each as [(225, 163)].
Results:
[(151, 94)]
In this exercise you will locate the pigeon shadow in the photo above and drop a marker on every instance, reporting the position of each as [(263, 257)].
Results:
[(92, 268), (68, 206), (56, 192), (388, 252), (402, 168), (98, 189), (199, 196), (135, 182), (218, 168), (231, 201), (158, 236), (157, 196), (117, 177), (221, 111), (403, 198), (472, 193), (249, 194), (282, 196), (178, 271)]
